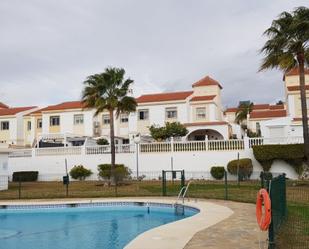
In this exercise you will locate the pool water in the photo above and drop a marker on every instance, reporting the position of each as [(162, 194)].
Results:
[(106, 227)]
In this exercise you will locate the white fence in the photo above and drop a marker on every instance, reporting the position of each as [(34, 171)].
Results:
[(189, 146)]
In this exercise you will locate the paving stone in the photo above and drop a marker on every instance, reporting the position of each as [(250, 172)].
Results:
[(240, 231)]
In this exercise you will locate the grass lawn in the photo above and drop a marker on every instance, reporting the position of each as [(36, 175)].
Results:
[(294, 233)]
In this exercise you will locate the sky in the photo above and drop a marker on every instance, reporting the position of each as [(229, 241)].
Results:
[(48, 48)]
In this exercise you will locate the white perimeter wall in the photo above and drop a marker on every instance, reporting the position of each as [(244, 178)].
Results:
[(53, 167), (3, 171)]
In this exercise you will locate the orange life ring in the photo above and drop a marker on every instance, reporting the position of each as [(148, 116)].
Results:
[(263, 218)]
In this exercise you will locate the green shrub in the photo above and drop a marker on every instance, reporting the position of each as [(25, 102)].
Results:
[(80, 172), (293, 154), (267, 176), (217, 172), (102, 141), (245, 168), (25, 176), (173, 129), (121, 172)]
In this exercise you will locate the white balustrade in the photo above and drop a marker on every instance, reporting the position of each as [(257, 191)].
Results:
[(255, 141), (207, 145), (155, 147), (190, 146), (57, 151), (106, 149), (21, 153), (233, 144), (100, 149)]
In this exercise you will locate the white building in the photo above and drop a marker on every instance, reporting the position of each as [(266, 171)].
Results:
[(199, 109), (291, 124), (11, 125)]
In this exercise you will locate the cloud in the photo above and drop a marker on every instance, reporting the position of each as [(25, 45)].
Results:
[(47, 48)]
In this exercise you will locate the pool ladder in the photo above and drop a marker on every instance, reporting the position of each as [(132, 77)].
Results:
[(182, 193), (179, 208)]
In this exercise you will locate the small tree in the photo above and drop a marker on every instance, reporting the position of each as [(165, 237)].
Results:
[(121, 172), (243, 167), (102, 141), (244, 109), (217, 172), (80, 172), (174, 129)]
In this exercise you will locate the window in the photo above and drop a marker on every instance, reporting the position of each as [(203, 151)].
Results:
[(171, 113), (78, 119), (29, 126), (200, 113), (105, 119), (39, 123), (54, 120), (5, 125), (258, 128), (125, 141), (143, 114), (124, 118)]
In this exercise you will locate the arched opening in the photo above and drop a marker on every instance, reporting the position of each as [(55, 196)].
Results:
[(199, 135)]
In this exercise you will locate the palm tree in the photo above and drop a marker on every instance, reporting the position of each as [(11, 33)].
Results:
[(244, 108), (287, 48), (109, 91)]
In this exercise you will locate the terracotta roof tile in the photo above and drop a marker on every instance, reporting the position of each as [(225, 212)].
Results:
[(62, 106), (260, 106), (15, 110), (297, 88), (207, 81), (206, 123), (158, 97), (203, 98), (276, 107), (255, 107), (2, 105), (231, 109), (295, 71), (298, 119), (268, 114)]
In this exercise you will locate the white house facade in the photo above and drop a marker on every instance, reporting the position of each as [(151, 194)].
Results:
[(199, 109)]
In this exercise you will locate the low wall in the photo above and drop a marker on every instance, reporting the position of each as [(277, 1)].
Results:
[(4, 170), (196, 164), (3, 182)]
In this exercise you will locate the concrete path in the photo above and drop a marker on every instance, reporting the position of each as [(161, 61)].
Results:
[(239, 231)]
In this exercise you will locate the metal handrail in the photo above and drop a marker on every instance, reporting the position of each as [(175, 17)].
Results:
[(184, 193)]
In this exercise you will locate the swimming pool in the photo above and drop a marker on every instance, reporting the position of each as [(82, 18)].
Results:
[(108, 225)]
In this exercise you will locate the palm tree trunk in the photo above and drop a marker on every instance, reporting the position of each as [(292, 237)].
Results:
[(113, 153), (300, 58)]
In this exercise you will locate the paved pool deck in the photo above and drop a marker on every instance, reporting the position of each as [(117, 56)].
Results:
[(240, 230), (218, 225)]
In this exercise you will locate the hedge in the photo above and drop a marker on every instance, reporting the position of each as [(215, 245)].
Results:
[(25, 176), (80, 172), (245, 168), (293, 154), (217, 172), (121, 172)]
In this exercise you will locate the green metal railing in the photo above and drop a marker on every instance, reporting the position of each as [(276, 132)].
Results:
[(276, 188)]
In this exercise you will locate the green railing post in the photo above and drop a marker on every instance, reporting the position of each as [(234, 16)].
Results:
[(183, 180), (225, 185), (163, 183), (271, 236), (19, 187), (277, 193), (262, 179)]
